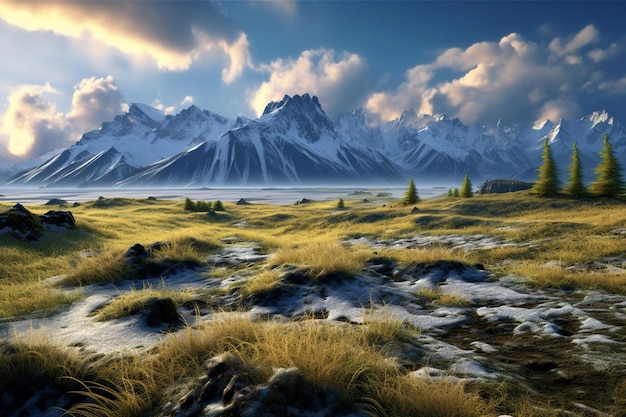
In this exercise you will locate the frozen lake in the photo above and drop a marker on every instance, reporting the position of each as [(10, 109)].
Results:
[(278, 195)]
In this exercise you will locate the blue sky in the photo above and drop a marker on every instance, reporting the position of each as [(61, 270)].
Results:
[(71, 65)]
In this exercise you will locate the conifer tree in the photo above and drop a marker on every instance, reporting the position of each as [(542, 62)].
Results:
[(576, 186), (455, 192), (608, 181), (466, 187), (218, 206), (410, 196), (450, 192), (189, 205), (548, 183), (341, 204)]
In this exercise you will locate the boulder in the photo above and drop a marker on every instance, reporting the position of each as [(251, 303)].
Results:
[(56, 202), (161, 311), (21, 223), (58, 218), (504, 186), (242, 202)]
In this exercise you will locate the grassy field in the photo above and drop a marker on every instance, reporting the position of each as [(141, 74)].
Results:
[(553, 243)]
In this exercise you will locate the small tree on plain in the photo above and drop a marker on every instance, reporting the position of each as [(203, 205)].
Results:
[(548, 183), (450, 192), (575, 187), (608, 181), (189, 205), (341, 204), (455, 192), (218, 206), (466, 187), (410, 196)]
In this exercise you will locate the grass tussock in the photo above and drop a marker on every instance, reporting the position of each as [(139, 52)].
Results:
[(441, 297), (18, 299), (133, 301), (556, 276), (323, 257), (261, 283)]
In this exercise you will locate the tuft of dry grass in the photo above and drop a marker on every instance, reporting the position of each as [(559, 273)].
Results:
[(323, 257), (441, 297)]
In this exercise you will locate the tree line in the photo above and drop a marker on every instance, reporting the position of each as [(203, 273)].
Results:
[(608, 181)]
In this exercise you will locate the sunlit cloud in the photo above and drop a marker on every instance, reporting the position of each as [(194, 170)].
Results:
[(32, 125), (173, 37), (512, 79), (338, 79)]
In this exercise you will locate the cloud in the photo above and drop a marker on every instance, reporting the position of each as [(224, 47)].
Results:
[(31, 125), (513, 80), (170, 35), (338, 80)]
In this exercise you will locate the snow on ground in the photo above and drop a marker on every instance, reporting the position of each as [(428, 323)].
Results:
[(477, 341)]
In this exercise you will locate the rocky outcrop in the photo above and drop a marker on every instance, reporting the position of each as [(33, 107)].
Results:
[(21, 223), (504, 186), (225, 391)]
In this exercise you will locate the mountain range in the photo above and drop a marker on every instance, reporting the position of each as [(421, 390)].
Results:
[(294, 142)]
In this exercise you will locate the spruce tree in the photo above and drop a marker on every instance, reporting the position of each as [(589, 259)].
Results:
[(189, 205), (410, 196), (340, 204), (608, 181), (455, 192), (218, 206), (575, 187), (548, 183), (466, 187)]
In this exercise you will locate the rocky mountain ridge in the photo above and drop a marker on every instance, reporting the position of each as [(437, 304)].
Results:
[(294, 142)]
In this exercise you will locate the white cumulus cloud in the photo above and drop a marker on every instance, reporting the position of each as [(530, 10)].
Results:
[(32, 125), (512, 79), (338, 79), (170, 35)]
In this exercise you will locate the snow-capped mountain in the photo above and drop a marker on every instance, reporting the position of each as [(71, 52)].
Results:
[(295, 143)]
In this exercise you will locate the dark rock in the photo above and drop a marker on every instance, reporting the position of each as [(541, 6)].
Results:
[(58, 218), (541, 366), (76, 204), (136, 253), (504, 186), (242, 202), (382, 265), (303, 201), (151, 198), (101, 198), (157, 246), (161, 311), (21, 223), (415, 210), (56, 202), (212, 213)]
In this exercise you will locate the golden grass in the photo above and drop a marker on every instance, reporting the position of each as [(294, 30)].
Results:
[(444, 298), (349, 358), (261, 283), (133, 301), (323, 257)]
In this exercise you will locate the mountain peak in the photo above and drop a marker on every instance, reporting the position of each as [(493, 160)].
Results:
[(303, 102), (143, 111), (599, 117)]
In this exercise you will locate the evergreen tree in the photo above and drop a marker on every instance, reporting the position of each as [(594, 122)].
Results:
[(218, 206), (455, 192), (203, 206), (575, 187), (548, 183), (609, 181), (341, 204), (189, 205), (410, 196), (466, 188), (450, 192)]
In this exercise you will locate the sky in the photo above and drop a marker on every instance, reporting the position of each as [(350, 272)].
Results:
[(69, 66)]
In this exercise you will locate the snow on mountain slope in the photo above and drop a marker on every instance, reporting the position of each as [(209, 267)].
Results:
[(294, 142)]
